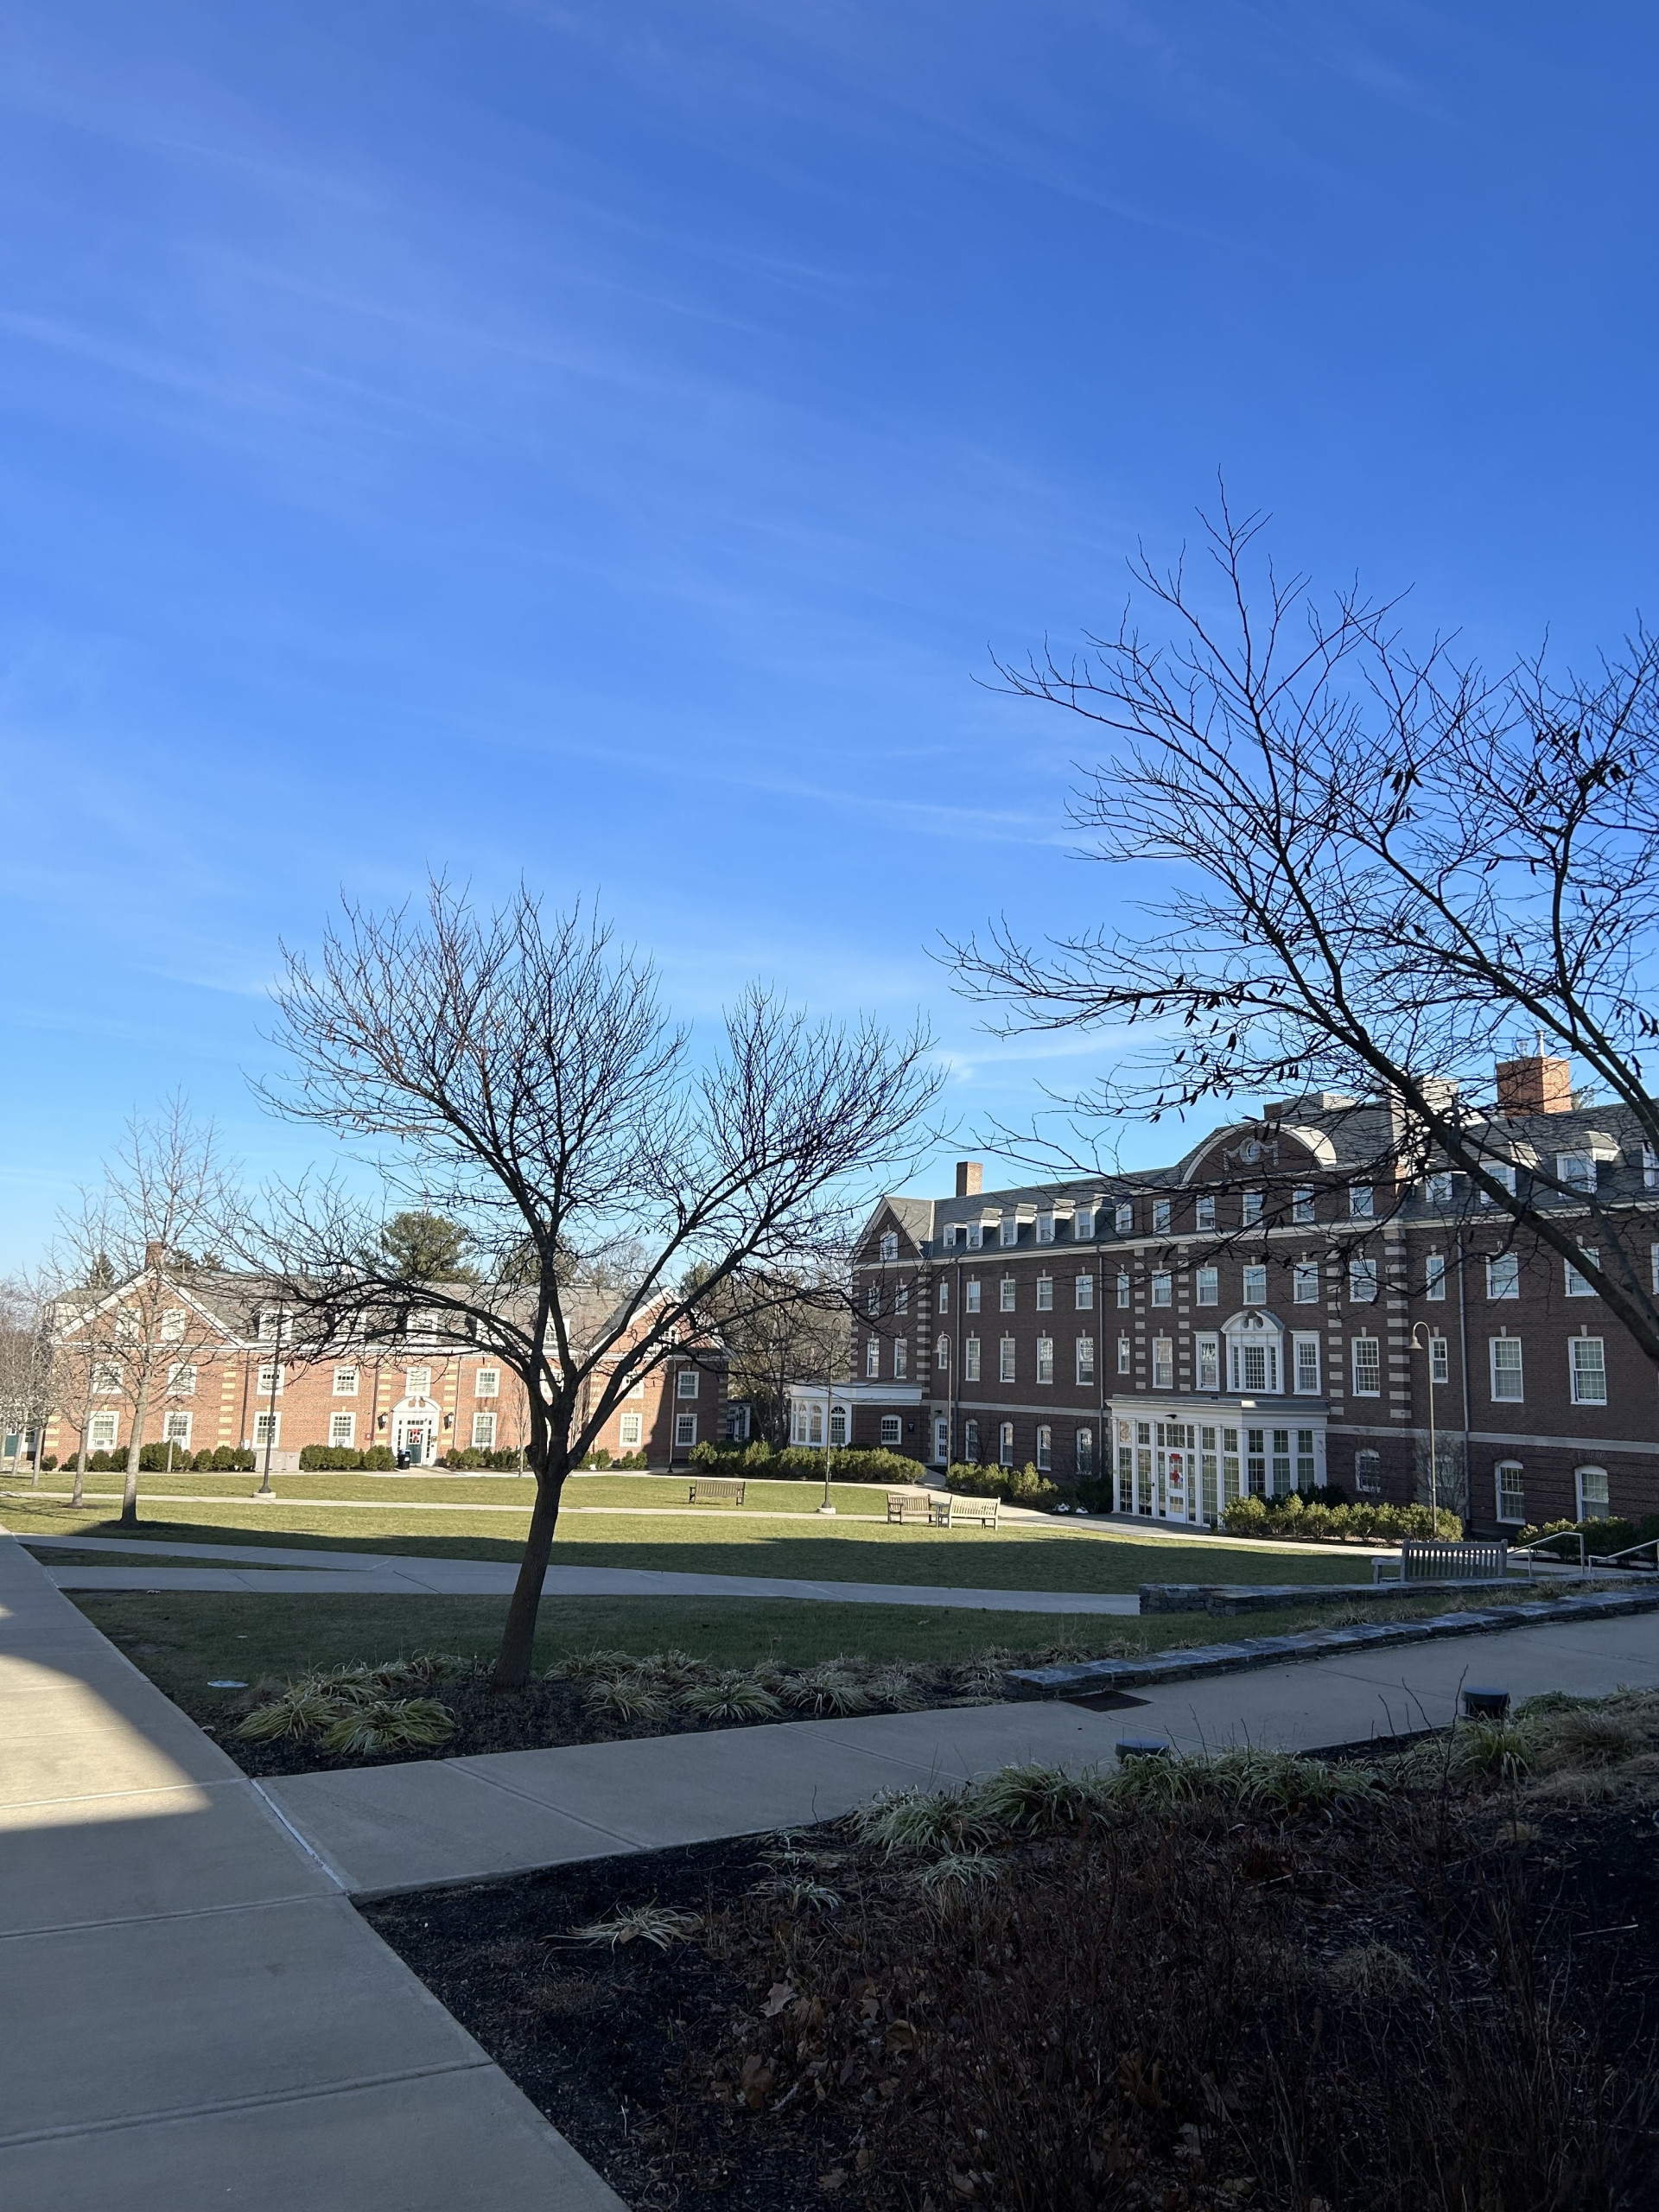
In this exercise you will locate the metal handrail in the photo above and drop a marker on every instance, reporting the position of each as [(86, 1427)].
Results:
[(1576, 1534), (1650, 1545)]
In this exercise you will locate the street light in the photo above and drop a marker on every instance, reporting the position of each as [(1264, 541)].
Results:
[(829, 1431), (264, 1489), (1427, 1345)]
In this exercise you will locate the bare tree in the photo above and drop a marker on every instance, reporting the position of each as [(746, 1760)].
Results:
[(27, 1395), (1379, 871), (515, 1074), (797, 1333), (131, 1332)]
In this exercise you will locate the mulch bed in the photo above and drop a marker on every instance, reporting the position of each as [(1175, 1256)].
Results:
[(1402, 2008)]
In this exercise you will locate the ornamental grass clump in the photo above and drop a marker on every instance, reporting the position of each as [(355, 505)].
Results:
[(731, 1696), (403, 1723), (831, 1689)]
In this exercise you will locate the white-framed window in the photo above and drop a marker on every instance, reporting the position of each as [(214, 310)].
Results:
[(893, 1431), (1503, 1275), (1254, 1365), (975, 1236), (941, 1353), (973, 1294), (1508, 1380), (181, 1379), (271, 1378), (901, 1297), (1252, 1208), (970, 1359), (267, 1429), (173, 1325), (1580, 1286), (175, 1429), (1045, 1293), (1161, 1216), (1588, 1355), (1125, 1360), (342, 1431), (1009, 1291), (685, 1431), (104, 1432), (1208, 1286), (1362, 1205), (1256, 1286), (1434, 1275), (1083, 1227), (872, 1299), (635, 1390), (1502, 1172), (1508, 1480), (1082, 1446), (1045, 1359), (1368, 1367), (630, 1430), (941, 1302), (1203, 1214), (871, 1358), (1123, 1218), (1305, 1283), (1163, 1288), (1163, 1363), (1368, 1474), (417, 1383), (1594, 1503), (486, 1383), (971, 1442), (685, 1382), (1044, 1447), (1361, 1282), (1439, 1187), (1008, 1228), (1208, 1350), (106, 1377), (1005, 1444), (1045, 1229), (1005, 1368), (1307, 1366), (1123, 1289), (1439, 1359), (1301, 1208), (889, 1247), (1576, 1170), (1649, 1168), (949, 1235), (1084, 1294), (900, 1358), (344, 1381), (1086, 1359)]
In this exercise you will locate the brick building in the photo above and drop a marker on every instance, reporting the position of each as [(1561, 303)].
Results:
[(230, 1382), (1266, 1314)]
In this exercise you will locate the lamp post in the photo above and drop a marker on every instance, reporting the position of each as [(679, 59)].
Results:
[(828, 1430), (1427, 1346), (264, 1489)]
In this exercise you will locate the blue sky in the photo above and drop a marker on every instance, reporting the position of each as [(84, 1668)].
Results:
[(604, 443)]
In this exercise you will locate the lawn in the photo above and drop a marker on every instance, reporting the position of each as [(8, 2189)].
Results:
[(475, 1493), (1040, 1557), (183, 1641)]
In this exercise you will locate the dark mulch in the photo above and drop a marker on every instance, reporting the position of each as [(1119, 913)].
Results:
[(543, 1716), (1143, 2015)]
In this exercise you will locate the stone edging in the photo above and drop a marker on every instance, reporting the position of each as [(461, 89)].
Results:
[(1086, 1676)]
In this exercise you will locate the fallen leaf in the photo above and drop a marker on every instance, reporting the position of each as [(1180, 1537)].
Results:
[(756, 2081), (862, 2161), (778, 1997), (961, 2182), (870, 2007), (901, 2036), (835, 2179)]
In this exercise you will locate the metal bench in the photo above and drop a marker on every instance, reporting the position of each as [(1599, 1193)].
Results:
[(1437, 1559), (964, 1512), (903, 1507), (717, 1490)]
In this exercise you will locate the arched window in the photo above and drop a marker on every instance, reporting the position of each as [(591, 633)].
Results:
[(1085, 1453), (1005, 1444), (1255, 1355), (971, 1442), (1045, 1447), (1593, 1503)]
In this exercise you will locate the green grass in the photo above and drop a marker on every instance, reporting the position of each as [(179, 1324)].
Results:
[(1031, 1558), (494, 1493)]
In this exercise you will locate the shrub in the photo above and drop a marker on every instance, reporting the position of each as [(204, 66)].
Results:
[(48, 1464), (379, 1460), (968, 1479), (1245, 1516), (230, 1459), (1027, 1487), (334, 1459)]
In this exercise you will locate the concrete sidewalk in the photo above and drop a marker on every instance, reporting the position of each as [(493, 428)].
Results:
[(193, 2015), (393, 1827), (297, 1570)]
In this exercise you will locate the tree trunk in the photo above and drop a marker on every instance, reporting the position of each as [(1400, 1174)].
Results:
[(518, 1639), (129, 1494)]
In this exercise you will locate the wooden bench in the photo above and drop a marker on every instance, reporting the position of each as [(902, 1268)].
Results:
[(717, 1490), (902, 1507), (964, 1512)]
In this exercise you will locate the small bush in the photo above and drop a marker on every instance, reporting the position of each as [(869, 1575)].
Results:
[(333, 1458), (379, 1460), (48, 1464)]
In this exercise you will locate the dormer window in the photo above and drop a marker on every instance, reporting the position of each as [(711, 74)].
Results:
[(1361, 1206), (1439, 1188), (1501, 1172), (889, 1245), (1204, 1216), (1010, 1230), (1045, 1229), (1123, 1218), (949, 1235), (1576, 1170), (975, 1235), (1161, 1216), (1083, 1226)]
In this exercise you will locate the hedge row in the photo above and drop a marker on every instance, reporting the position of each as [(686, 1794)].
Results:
[(1601, 1538), (797, 1464), (1293, 1517), (152, 1460)]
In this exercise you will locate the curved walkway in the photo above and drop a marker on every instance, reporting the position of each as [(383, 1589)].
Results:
[(299, 1571)]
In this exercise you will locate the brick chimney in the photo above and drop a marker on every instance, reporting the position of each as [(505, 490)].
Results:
[(1538, 1085), (970, 1178), (154, 1253)]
